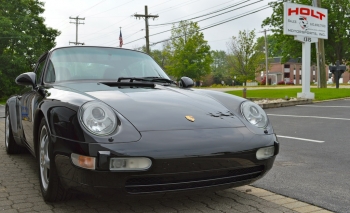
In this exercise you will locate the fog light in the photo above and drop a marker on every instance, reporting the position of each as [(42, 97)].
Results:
[(129, 163), (85, 162), (265, 152)]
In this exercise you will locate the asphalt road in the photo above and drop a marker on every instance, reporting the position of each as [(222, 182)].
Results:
[(316, 171)]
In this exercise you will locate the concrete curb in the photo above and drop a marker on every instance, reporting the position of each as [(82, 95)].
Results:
[(285, 104), (293, 103)]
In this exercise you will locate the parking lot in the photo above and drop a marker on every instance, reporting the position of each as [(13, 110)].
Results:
[(20, 192)]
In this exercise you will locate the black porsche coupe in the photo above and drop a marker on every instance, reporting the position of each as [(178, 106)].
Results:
[(110, 121)]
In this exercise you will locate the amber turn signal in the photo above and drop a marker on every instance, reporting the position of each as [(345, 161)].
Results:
[(82, 161)]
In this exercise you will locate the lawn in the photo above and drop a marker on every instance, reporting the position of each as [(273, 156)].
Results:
[(320, 93)]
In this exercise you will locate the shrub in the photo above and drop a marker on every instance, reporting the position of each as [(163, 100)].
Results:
[(216, 85), (290, 83), (281, 83)]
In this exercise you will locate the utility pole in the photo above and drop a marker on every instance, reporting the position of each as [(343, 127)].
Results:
[(146, 16), (320, 55), (76, 33), (266, 58)]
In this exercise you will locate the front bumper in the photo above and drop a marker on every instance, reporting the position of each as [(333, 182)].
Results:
[(229, 163)]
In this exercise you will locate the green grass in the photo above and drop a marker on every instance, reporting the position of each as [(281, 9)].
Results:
[(320, 93)]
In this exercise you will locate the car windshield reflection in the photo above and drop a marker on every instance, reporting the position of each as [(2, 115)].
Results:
[(100, 64)]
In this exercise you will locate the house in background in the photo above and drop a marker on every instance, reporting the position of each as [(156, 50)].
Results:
[(291, 72)]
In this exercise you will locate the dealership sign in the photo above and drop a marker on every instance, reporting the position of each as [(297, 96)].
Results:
[(303, 20)]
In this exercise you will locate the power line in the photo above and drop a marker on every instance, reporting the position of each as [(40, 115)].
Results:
[(104, 28), (127, 36), (211, 16), (168, 9), (134, 41), (228, 20), (111, 8), (133, 23), (160, 4), (218, 23), (123, 19), (152, 35), (214, 24), (197, 12), (91, 34), (91, 7), (176, 6), (204, 14)]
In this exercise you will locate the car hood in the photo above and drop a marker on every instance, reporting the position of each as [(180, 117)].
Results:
[(165, 108)]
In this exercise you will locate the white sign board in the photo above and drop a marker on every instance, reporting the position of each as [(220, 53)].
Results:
[(305, 20)]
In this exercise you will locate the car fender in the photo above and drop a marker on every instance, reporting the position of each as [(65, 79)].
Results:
[(63, 122), (13, 110)]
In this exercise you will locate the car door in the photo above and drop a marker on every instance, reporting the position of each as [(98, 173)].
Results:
[(29, 101)]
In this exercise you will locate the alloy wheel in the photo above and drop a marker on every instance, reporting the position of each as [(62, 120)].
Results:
[(44, 158)]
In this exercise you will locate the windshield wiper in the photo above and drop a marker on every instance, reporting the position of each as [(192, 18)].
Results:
[(160, 79), (150, 79)]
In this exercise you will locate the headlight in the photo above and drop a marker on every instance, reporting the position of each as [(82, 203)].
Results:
[(98, 118), (254, 114)]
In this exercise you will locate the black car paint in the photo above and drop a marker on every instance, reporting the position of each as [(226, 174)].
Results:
[(140, 134)]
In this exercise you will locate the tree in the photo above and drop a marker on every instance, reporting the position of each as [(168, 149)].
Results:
[(245, 57), (272, 50), (219, 67), (336, 46), (189, 53), (23, 38), (160, 56)]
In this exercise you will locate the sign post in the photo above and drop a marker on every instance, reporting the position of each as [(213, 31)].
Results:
[(305, 69), (307, 24)]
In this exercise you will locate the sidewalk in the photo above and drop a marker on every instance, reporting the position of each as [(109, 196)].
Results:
[(225, 89)]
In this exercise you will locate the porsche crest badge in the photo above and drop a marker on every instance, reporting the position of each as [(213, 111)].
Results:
[(190, 118)]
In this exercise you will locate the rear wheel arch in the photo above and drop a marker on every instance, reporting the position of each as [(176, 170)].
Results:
[(11, 103), (11, 145)]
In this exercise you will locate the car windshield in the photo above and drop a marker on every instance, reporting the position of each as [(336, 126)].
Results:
[(101, 64)]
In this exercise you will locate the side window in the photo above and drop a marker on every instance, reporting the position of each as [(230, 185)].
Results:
[(39, 70)]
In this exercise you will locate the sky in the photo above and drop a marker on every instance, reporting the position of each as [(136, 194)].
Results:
[(105, 18)]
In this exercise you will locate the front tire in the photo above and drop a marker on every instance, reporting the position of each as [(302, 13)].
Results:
[(50, 185), (10, 144)]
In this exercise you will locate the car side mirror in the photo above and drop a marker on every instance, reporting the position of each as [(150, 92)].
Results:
[(186, 82), (28, 78)]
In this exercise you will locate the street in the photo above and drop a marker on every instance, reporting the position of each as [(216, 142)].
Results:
[(313, 165)]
